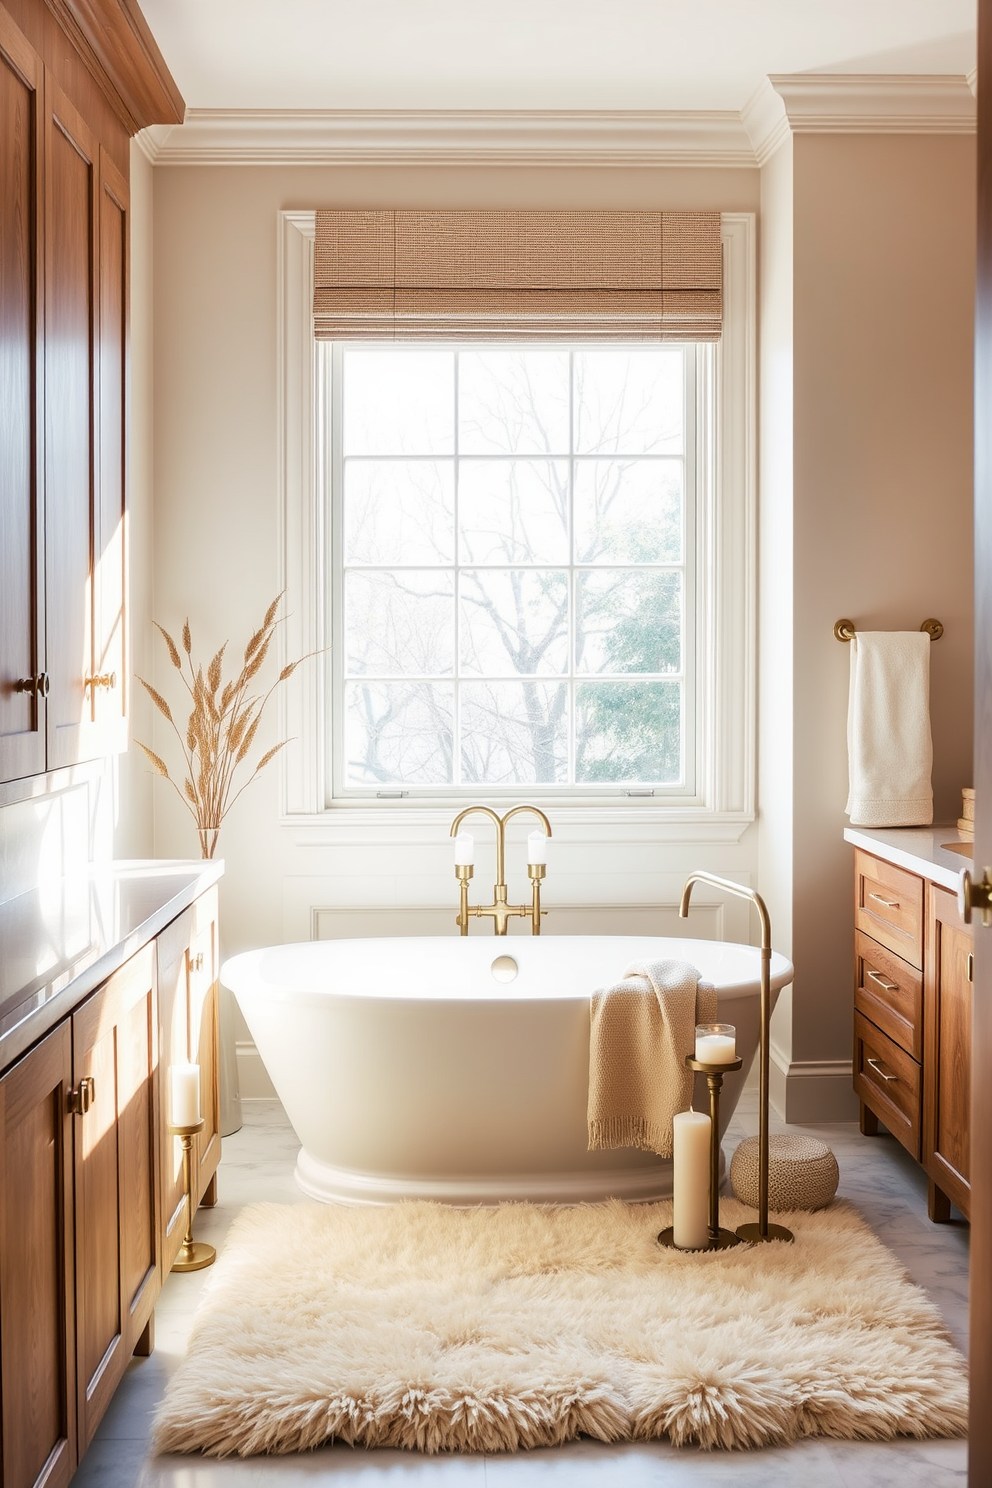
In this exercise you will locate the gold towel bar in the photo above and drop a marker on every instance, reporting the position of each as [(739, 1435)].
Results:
[(844, 629)]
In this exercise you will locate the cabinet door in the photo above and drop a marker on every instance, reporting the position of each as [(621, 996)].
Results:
[(70, 365), (108, 690), (172, 949), (118, 1271), (22, 596), (37, 1401), (947, 1060)]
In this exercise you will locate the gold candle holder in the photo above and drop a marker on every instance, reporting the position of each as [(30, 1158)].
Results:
[(719, 1239), (193, 1255), (463, 873), (536, 872), (762, 1231)]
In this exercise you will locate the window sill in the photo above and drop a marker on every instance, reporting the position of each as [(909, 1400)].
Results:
[(655, 822)]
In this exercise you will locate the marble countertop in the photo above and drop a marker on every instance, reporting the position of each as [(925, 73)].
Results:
[(61, 940), (922, 850)]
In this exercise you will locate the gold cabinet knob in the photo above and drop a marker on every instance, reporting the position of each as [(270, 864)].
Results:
[(972, 896), (39, 685), (103, 679)]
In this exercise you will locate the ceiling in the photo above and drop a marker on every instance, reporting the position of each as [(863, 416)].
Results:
[(540, 54)]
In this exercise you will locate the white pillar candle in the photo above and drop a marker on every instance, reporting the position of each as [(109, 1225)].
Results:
[(184, 1090), (464, 850), (537, 848), (691, 1159), (716, 1048)]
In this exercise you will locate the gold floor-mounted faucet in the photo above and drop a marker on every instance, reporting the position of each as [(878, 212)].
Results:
[(536, 869)]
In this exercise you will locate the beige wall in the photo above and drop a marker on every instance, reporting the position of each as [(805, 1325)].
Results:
[(883, 273), (216, 528), (865, 366)]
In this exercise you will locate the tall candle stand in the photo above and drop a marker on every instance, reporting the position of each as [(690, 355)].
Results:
[(193, 1254), (719, 1239), (763, 1230)]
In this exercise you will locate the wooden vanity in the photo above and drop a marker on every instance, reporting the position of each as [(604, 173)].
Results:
[(105, 980), (912, 1001)]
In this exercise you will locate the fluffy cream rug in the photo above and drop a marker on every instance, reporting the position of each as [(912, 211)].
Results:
[(435, 1328)]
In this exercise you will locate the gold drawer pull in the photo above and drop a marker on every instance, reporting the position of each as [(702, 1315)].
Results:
[(888, 903), (83, 1096), (876, 1066), (876, 976)]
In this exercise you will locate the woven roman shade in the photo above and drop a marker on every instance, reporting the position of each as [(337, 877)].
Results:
[(517, 276)]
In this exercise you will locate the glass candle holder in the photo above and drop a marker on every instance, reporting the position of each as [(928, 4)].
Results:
[(716, 1043)]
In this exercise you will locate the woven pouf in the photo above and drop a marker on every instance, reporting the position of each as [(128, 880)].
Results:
[(802, 1172)]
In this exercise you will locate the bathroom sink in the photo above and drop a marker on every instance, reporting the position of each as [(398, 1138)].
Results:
[(966, 849)]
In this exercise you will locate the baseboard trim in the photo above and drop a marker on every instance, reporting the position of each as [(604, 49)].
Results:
[(812, 1092)]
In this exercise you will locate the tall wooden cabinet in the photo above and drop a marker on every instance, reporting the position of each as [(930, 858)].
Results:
[(72, 91), (22, 529)]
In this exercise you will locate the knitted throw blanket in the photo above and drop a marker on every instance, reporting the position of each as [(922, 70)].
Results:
[(640, 1031)]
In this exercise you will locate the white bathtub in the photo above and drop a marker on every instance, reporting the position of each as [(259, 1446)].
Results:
[(409, 1071)]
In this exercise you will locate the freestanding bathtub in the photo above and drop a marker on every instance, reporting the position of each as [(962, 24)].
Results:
[(457, 1068)]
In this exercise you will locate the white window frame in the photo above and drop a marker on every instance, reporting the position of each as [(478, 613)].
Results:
[(722, 803)]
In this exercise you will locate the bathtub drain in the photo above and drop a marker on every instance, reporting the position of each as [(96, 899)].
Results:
[(504, 969)]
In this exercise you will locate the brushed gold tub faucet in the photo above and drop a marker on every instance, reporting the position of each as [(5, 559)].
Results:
[(500, 910)]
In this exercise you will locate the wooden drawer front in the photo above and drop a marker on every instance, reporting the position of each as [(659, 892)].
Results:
[(890, 994), (888, 1081), (888, 906)]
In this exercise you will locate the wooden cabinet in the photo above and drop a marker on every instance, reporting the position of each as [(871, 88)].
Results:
[(947, 1057), (71, 176), (22, 533), (188, 1010), (64, 370), (118, 1246), (86, 1201), (912, 1022), (37, 1291)]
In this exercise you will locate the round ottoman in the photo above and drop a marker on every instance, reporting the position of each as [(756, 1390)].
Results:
[(802, 1172)]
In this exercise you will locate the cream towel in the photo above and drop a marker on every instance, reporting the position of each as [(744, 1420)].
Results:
[(640, 1031), (890, 755)]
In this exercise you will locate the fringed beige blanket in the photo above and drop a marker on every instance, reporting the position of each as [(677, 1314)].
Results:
[(641, 1029)]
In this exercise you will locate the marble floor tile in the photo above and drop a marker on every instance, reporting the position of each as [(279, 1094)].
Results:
[(258, 1161)]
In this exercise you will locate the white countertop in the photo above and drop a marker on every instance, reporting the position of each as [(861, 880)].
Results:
[(61, 940), (921, 850)]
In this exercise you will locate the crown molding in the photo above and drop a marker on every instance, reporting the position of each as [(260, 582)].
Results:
[(464, 137), (861, 103)]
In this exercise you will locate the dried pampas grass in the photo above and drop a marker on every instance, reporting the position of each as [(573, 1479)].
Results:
[(220, 730), (486, 1330)]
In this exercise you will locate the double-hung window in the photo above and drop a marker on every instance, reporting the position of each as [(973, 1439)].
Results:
[(514, 556), (527, 565)]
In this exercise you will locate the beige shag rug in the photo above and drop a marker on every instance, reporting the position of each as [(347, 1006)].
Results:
[(434, 1328)]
